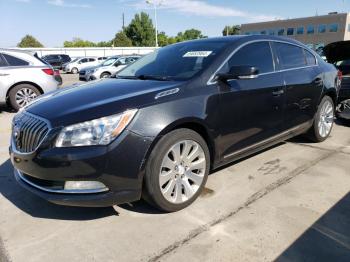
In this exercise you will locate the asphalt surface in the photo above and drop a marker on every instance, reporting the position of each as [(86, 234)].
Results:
[(288, 203)]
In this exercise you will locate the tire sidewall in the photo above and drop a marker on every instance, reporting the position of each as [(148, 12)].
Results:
[(13, 92), (154, 164), (105, 74), (75, 70), (317, 135)]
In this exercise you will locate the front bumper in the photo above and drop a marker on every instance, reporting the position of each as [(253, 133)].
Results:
[(119, 166), (87, 77)]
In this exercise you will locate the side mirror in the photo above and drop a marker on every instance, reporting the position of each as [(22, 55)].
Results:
[(239, 72)]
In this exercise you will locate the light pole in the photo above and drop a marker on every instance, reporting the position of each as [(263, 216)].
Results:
[(155, 5)]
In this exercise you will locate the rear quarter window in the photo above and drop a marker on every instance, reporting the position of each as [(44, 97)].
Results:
[(310, 58), (14, 61), (2, 61), (290, 56)]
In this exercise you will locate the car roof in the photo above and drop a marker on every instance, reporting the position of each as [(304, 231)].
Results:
[(235, 38)]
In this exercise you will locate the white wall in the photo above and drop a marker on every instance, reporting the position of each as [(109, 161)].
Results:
[(92, 51)]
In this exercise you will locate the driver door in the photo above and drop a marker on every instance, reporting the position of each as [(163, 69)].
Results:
[(251, 109)]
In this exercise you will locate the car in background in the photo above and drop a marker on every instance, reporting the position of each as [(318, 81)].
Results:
[(77, 64), (57, 60), (23, 77), (338, 53), (109, 67), (170, 118)]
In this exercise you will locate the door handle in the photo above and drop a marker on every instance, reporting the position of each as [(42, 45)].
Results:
[(278, 92)]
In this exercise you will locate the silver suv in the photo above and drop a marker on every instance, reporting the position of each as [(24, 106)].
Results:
[(106, 69), (23, 77)]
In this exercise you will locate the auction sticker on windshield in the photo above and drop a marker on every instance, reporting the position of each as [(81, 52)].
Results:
[(197, 54)]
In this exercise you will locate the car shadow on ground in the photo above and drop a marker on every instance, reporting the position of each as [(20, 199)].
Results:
[(6, 109), (38, 207), (328, 239)]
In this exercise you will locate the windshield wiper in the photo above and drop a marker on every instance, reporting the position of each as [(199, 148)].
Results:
[(153, 77)]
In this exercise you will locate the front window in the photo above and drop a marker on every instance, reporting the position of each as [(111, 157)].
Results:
[(333, 28), (256, 54), (300, 30), (310, 30), (322, 29), (178, 62)]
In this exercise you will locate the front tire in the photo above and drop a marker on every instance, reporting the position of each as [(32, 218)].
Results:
[(74, 70), (177, 170), (324, 120), (105, 75), (21, 95)]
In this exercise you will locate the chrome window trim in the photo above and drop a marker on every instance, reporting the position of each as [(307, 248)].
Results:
[(211, 80), (60, 191)]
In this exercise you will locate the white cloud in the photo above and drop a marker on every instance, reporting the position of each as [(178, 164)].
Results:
[(201, 8), (62, 3)]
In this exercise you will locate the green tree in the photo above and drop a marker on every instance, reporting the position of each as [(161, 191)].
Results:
[(141, 31), (104, 44), (78, 42), (231, 30), (163, 39), (121, 39), (29, 41)]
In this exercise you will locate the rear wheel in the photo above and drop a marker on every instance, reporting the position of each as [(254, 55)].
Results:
[(75, 70), (21, 95), (324, 120), (177, 170)]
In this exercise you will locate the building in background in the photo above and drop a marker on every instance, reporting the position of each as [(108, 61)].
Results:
[(315, 31)]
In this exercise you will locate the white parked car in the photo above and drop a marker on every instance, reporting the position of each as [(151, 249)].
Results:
[(77, 64), (108, 68), (23, 77)]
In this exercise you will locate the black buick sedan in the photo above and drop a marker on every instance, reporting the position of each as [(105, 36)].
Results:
[(169, 119)]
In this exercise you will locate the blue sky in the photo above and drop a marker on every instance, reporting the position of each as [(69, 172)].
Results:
[(54, 21)]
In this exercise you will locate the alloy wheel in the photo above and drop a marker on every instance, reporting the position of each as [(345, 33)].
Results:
[(24, 96), (326, 119), (182, 171)]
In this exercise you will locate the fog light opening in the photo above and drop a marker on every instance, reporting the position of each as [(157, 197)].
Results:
[(85, 185)]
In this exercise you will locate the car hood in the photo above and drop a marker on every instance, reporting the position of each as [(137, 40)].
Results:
[(89, 68), (337, 51), (97, 99)]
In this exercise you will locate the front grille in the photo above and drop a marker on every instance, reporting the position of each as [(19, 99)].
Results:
[(28, 132)]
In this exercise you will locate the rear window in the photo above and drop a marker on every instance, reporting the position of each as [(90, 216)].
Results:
[(14, 61), (291, 56)]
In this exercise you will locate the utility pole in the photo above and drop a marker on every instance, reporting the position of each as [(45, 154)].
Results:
[(123, 22)]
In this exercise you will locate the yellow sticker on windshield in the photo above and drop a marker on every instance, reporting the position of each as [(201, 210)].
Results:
[(198, 54)]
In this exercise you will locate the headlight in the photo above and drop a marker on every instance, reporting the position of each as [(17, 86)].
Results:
[(91, 71), (100, 131)]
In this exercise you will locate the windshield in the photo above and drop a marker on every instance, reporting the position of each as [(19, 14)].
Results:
[(109, 61), (177, 62), (74, 60)]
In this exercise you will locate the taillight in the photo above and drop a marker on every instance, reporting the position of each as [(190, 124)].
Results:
[(340, 75), (48, 71)]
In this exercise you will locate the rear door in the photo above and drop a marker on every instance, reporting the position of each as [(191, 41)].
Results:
[(303, 82), (251, 109), (5, 79)]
